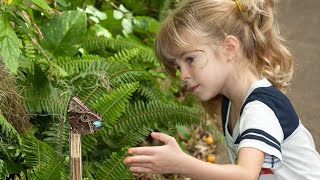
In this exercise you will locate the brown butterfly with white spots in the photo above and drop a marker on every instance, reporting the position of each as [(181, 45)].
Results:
[(81, 119)]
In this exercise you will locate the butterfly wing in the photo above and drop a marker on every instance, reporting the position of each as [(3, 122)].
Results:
[(81, 119), (75, 105)]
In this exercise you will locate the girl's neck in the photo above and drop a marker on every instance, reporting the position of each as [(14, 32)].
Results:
[(238, 86)]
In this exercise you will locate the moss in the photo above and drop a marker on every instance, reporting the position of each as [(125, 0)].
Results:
[(11, 103)]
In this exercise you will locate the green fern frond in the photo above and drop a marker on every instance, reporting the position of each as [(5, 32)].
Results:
[(29, 49), (88, 170), (88, 143), (90, 90), (8, 130), (146, 53), (129, 138), (114, 168), (36, 151), (111, 105), (52, 104), (146, 115), (125, 75), (54, 169), (124, 55), (3, 170), (75, 65), (58, 136), (133, 138), (151, 93)]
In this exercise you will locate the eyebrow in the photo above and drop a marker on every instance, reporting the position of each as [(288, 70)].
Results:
[(184, 53)]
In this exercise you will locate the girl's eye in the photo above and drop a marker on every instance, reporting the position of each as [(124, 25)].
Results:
[(190, 60), (176, 66)]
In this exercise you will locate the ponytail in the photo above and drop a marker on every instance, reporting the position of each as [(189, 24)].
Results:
[(269, 56)]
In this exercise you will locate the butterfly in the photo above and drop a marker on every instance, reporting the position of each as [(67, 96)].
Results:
[(81, 119)]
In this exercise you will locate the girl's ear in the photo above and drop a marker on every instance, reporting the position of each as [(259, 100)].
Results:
[(231, 46)]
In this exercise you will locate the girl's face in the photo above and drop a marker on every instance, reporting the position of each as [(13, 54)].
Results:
[(204, 70)]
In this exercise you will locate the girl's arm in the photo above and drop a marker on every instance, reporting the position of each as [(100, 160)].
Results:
[(169, 158)]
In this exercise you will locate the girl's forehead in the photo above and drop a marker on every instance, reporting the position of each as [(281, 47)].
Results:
[(190, 39), (193, 48)]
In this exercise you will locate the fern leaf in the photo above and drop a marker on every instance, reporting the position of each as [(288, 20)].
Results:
[(124, 55), (29, 50), (54, 103), (8, 130), (110, 106), (146, 54), (113, 168), (53, 169), (58, 136), (88, 170), (88, 143), (75, 65), (150, 93), (125, 75), (134, 138), (146, 115), (3, 170), (36, 151)]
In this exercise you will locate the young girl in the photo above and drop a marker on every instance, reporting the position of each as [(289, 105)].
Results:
[(229, 54)]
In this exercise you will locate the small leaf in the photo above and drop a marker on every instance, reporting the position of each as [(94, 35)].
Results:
[(42, 4), (94, 19), (127, 25), (117, 14), (101, 31), (9, 45), (123, 9), (146, 23), (183, 132), (96, 13)]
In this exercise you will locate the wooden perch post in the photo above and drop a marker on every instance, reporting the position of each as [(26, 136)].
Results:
[(75, 156)]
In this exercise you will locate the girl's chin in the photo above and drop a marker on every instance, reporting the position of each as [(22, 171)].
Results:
[(203, 97)]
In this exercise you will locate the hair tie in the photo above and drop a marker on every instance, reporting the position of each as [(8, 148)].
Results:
[(239, 4)]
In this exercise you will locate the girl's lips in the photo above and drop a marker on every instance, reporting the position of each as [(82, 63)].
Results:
[(193, 88)]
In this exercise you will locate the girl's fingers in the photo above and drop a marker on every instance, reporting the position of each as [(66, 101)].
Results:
[(162, 137), (143, 165), (140, 170), (138, 159), (147, 150)]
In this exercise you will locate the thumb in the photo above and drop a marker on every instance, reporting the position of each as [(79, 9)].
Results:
[(162, 137)]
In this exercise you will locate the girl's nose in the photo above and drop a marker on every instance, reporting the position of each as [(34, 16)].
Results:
[(184, 74)]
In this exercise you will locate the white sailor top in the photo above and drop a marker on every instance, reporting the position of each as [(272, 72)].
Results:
[(268, 122)]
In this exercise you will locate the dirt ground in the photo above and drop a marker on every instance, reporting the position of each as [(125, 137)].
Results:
[(300, 25)]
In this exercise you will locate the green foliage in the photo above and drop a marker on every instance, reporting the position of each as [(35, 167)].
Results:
[(9, 44), (111, 105), (113, 168), (64, 33), (156, 112), (8, 131), (3, 170), (103, 54), (146, 54), (53, 169)]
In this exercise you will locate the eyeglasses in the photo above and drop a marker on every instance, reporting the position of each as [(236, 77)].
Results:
[(196, 59)]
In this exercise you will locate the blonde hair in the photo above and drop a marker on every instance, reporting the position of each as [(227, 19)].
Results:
[(212, 20)]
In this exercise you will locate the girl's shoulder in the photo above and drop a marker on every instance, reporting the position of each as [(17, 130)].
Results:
[(280, 105)]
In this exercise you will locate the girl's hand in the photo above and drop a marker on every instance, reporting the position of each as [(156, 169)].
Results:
[(165, 159)]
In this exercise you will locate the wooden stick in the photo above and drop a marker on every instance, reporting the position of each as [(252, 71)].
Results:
[(75, 156)]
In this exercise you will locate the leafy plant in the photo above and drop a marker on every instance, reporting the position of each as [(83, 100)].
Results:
[(56, 51)]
